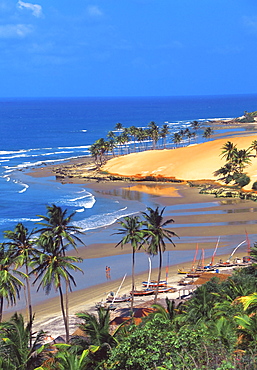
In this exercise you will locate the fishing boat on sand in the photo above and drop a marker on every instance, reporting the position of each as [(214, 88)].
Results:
[(154, 283), (143, 292), (112, 299)]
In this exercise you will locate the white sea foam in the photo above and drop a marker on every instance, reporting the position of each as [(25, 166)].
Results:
[(79, 198), (39, 163), (102, 220), (85, 201), (16, 220), (24, 189)]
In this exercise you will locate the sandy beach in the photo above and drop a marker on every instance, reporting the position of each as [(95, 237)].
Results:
[(198, 218)]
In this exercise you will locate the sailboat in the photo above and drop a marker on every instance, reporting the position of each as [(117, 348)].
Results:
[(114, 298), (186, 272), (200, 269), (228, 263)]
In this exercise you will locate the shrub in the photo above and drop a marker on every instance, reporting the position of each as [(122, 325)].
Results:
[(254, 187)]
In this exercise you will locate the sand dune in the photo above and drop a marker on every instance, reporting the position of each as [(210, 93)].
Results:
[(194, 162)]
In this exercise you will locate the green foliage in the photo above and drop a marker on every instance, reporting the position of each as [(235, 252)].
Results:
[(241, 179), (236, 161), (254, 186)]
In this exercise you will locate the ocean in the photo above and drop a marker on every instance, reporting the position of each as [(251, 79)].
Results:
[(38, 132)]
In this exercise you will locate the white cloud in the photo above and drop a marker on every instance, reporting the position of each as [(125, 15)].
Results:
[(15, 30), (35, 8), (94, 11)]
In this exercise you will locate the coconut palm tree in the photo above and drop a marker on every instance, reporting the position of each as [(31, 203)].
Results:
[(10, 280), (208, 132), (154, 133), (118, 126), (140, 135), (15, 347), (59, 226), (51, 269), (133, 235), (124, 139), (177, 138), (241, 159), (155, 235), (21, 245), (133, 132), (164, 133), (253, 146), (228, 151)]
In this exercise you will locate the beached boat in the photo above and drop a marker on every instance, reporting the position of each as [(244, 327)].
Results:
[(119, 299), (143, 292), (167, 289), (154, 283), (193, 275), (185, 272)]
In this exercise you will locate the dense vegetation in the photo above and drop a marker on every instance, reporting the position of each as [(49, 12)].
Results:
[(215, 329)]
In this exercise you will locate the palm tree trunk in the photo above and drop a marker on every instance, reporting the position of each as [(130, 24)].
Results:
[(64, 315), (29, 305), (159, 276), (133, 280), (67, 307), (1, 308)]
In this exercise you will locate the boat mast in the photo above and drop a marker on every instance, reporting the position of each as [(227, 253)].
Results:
[(195, 256), (149, 273), (119, 289), (215, 250)]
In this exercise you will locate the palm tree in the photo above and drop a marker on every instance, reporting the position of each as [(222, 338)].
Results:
[(111, 135), (253, 146), (154, 133), (124, 139), (21, 246), (118, 126), (164, 133), (208, 132), (10, 283), (241, 159), (140, 135), (15, 347), (65, 359), (58, 224), (94, 151), (155, 235), (97, 327), (52, 268), (228, 150), (131, 229), (177, 138), (133, 132)]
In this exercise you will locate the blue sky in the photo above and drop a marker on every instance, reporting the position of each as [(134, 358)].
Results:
[(86, 48)]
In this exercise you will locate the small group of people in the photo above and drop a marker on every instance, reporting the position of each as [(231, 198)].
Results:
[(108, 272)]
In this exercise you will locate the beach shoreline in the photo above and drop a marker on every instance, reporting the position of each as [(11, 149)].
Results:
[(165, 195)]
